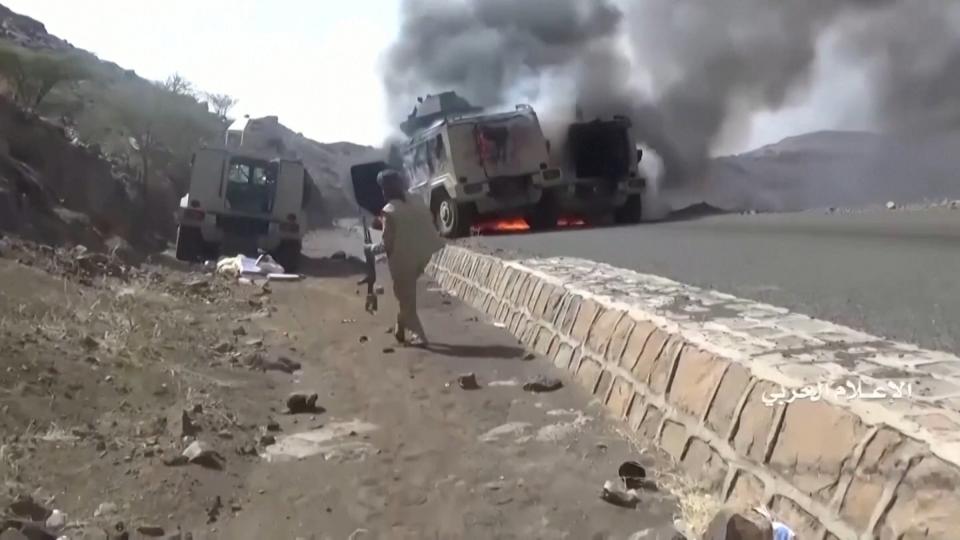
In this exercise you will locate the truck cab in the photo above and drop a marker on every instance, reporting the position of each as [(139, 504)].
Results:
[(248, 196)]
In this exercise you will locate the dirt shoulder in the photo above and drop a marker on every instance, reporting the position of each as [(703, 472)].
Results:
[(396, 448)]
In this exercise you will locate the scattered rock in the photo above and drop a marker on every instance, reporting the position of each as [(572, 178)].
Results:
[(223, 347), (388, 350), (29, 530), (89, 343), (529, 356), (619, 497), (188, 428), (730, 525), (213, 513), (300, 403), (57, 520), (105, 509), (633, 474), (364, 339), (543, 384), (246, 450), (12, 534), (175, 461), (254, 343), (25, 506), (290, 365), (150, 530), (891, 205), (239, 331), (273, 426), (200, 453), (283, 364), (267, 440), (468, 381)]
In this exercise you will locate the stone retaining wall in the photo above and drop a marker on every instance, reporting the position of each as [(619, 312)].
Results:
[(687, 370)]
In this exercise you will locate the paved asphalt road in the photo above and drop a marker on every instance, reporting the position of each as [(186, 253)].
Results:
[(891, 273)]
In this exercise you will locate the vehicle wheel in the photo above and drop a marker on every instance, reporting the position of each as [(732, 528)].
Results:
[(544, 215), (453, 220), (287, 255), (189, 244), (631, 212)]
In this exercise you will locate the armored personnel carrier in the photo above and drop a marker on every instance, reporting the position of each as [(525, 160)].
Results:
[(249, 195), (470, 164), (602, 163)]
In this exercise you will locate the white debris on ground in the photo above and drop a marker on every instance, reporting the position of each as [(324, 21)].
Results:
[(243, 268), (330, 440)]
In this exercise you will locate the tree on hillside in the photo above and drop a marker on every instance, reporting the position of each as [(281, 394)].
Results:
[(34, 74), (221, 104), (179, 85), (160, 124)]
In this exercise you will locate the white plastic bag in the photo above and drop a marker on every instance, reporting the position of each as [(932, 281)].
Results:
[(267, 265)]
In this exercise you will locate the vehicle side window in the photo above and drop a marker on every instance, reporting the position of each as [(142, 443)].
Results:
[(440, 152), (428, 150)]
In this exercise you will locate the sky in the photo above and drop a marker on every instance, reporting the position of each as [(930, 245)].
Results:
[(316, 63), (312, 63)]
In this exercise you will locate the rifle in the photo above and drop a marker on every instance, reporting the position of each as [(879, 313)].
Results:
[(371, 279)]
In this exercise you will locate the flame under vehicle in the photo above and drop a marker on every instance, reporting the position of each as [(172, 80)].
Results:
[(247, 196), (469, 164), (601, 162)]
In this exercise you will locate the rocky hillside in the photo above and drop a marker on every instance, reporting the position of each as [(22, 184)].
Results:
[(57, 191), (26, 32), (122, 124), (833, 169), (329, 165)]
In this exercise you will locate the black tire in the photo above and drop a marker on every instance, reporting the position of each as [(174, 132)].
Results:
[(631, 212), (189, 244), (452, 220), (544, 216), (288, 256)]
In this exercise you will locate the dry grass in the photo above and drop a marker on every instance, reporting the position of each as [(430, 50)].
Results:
[(697, 504)]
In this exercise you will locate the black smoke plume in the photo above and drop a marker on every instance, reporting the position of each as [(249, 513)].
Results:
[(688, 72)]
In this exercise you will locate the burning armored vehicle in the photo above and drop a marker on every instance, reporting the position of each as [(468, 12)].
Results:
[(469, 164), (601, 162), (249, 195)]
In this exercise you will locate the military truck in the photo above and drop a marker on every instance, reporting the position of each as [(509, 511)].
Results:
[(247, 196), (602, 163), (469, 164)]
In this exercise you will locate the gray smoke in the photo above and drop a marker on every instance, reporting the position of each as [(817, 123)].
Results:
[(483, 49), (689, 72)]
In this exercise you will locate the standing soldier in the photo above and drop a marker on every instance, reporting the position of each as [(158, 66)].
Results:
[(410, 240)]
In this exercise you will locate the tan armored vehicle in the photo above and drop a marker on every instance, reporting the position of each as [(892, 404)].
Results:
[(470, 165), (247, 196)]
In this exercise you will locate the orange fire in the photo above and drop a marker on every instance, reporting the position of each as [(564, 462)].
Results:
[(508, 225), (570, 222), (520, 225)]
